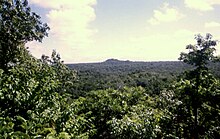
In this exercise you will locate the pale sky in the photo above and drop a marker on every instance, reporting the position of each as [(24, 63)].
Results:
[(138, 30)]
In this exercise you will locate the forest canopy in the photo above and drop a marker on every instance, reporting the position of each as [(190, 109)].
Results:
[(44, 98)]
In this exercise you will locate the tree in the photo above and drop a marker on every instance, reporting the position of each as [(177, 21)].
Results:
[(34, 101), (201, 53), (198, 88), (18, 25), (33, 93)]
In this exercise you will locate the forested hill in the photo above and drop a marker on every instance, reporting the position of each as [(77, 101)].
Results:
[(114, 73), (111, 66), (118, 66)]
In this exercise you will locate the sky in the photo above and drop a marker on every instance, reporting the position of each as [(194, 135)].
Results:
[(84, 31)]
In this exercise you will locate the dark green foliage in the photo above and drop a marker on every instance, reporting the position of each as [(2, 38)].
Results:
[(35, 101), (200, 54), (18, 25), (197, 91), (153, 76), (44, 99), (126, 113), (65, 76)]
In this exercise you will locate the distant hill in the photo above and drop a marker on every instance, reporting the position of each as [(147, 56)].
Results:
[(116, 61), (119, 66), (114, 73)]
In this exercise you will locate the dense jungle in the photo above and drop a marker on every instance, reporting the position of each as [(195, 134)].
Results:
[(47, 99)]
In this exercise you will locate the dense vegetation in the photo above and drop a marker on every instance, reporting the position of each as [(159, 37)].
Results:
[(43, 98), (116, 74)]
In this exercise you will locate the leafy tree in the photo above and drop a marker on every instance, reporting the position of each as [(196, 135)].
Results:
[(35, 94), (18, 25), (65, 76), (198, 90), (125, 113), (33, 100), (201, 53)]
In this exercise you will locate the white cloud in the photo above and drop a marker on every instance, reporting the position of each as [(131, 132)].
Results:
[(58, 4), (72, 26), (214, 2), (163, 46), (158, 46), (201, 5), (212, 24), (69, 21), (165, 14)]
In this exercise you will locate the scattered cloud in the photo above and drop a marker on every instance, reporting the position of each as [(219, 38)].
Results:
[(212, 24), (165, 14), (163, 46), (75, 38), (69, 21), (201, 5)]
